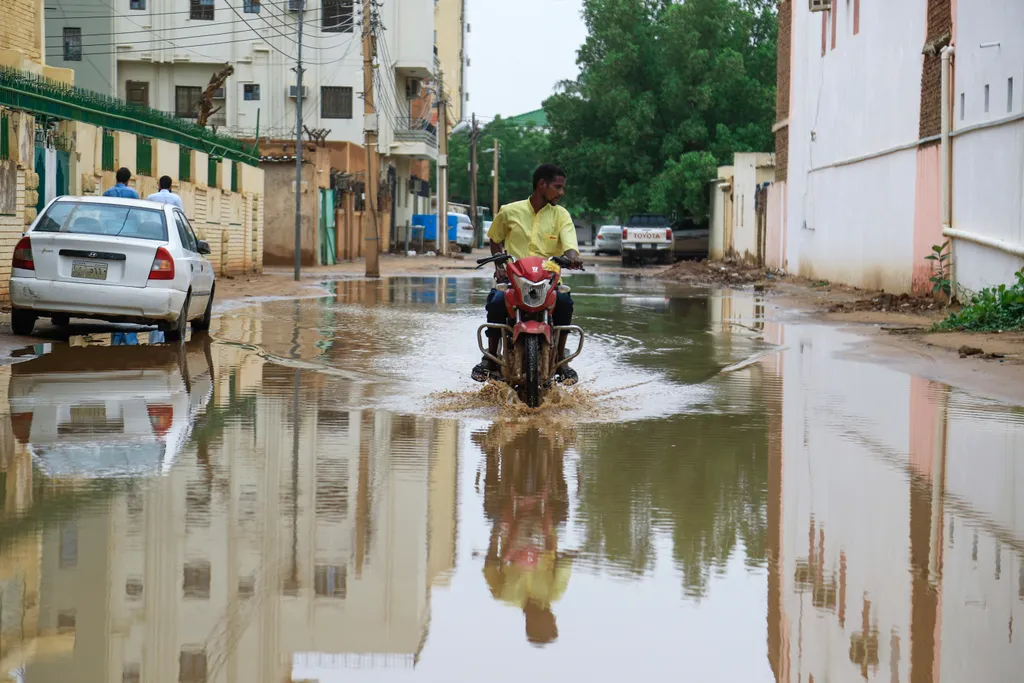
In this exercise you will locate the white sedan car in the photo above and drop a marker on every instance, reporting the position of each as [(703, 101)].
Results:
[(118, 260)]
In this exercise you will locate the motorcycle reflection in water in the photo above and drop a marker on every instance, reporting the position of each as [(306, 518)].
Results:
[(527, 502)]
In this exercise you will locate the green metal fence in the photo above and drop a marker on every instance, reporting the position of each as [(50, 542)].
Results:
[(108, 150), (5, 139), (20, 90), (234, 176), (184, 164), (212, 175), (144, 156)]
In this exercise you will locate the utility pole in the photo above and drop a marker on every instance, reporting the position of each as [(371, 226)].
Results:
[(494, 203), (298, 151), (478, 237), (442, 163), (371, 234)]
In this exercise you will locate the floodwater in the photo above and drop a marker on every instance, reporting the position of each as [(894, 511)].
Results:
[(319, 493)]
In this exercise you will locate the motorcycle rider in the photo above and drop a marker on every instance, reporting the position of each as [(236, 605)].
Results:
[(537, 226)]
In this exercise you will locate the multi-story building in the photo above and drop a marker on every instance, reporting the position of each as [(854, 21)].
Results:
[(864, 187), (165, 53)]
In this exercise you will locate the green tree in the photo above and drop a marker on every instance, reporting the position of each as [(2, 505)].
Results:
[(665, 91), (523, 148)]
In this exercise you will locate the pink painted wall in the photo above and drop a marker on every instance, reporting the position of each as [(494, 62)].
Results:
[(775, 237), (927, 216)]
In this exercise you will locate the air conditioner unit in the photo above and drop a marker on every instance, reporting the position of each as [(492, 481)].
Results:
[(821, 5), (413, 88), (218, 94), (296, 5), (293, 91)]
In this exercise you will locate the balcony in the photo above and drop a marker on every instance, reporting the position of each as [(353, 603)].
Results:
[(415, 138)]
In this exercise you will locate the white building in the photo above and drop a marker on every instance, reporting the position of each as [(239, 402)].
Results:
[(860, 195)]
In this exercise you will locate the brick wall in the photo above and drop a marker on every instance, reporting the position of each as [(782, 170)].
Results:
[(21, 28), (940, 26), (782, 88)]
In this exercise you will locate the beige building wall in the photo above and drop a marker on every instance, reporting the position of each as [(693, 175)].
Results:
[(232, 222), (22, 30), (450, 24)]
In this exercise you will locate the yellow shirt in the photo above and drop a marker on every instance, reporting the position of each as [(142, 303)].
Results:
[(549, 232)]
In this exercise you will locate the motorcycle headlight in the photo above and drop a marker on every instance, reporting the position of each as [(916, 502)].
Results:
[(534, 293)]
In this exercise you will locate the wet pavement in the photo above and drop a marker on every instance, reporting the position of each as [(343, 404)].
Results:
[(319, 493)]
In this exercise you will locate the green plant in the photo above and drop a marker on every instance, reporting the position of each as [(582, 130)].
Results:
[(940, 269), (991, 309)]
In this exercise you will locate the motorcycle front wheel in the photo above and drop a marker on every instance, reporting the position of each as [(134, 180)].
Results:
[(531, 366)]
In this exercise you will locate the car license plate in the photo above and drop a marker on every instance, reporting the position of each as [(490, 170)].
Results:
[(89, 271)]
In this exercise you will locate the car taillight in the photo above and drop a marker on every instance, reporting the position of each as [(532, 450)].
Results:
[(600, 237), (23, 255), (668, 234), (163, 266), (160, 417), (625, 234)]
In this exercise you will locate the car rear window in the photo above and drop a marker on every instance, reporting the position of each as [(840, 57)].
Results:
[(88, 218)]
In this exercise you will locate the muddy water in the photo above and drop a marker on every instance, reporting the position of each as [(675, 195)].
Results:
[(318, 493)]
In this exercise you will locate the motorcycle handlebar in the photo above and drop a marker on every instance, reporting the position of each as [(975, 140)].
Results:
[(505, 258)]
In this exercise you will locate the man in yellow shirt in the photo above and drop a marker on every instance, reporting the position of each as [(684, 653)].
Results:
[(537, 226)]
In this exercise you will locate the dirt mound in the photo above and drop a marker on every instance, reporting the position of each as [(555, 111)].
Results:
[(717, 272), (899, 303)]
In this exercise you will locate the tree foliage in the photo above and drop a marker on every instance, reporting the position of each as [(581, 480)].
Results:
[(666, 91), (523, 148)]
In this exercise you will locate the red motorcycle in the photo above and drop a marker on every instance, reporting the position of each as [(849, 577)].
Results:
[(529, 347)]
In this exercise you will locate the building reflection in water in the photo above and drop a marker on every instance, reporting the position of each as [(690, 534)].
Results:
[(896, 536), (290, 534)]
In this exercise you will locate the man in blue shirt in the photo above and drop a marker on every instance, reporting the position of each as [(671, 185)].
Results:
[(165, 196), (121, 189)]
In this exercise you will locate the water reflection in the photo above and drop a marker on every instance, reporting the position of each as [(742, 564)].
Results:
[(806, 515), (526, 501)]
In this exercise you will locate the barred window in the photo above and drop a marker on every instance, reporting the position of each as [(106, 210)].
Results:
[(186, 101), (251, 6), (201, 10), (251, 92), (336, 16), (335, 102), (72, 44)]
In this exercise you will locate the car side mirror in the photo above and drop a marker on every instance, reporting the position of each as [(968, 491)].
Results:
[(203, 247)]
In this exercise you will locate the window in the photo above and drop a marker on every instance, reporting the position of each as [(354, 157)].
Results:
[(336, 16), (133, 588), (72, 44), (330, 582), (251, 92), (963, 105), (68, 541), (1009, 96), (132, 673), (192, 666), (335, 102), (186, 101), (101, 219), (986, 98), (201, 10), (196, 580), (246, 587), (251, 6), (66, 621), (137, 4), (188, 242)]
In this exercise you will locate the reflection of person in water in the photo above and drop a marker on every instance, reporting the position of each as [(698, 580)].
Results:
[(526, 499)]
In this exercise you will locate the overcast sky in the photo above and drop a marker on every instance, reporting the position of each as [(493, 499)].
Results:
[(519, 50)]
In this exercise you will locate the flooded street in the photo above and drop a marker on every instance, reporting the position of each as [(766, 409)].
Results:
[(318, 492)]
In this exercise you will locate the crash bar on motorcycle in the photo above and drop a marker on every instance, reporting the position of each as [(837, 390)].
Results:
[(566, 329), (506, 332)]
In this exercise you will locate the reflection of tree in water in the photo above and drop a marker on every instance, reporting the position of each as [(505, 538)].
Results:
[(526, 499), (701, 477)]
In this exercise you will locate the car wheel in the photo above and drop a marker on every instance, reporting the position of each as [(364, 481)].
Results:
[(466, 249), (180, 329), (203, 324), (62, 320), (23, 322)]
